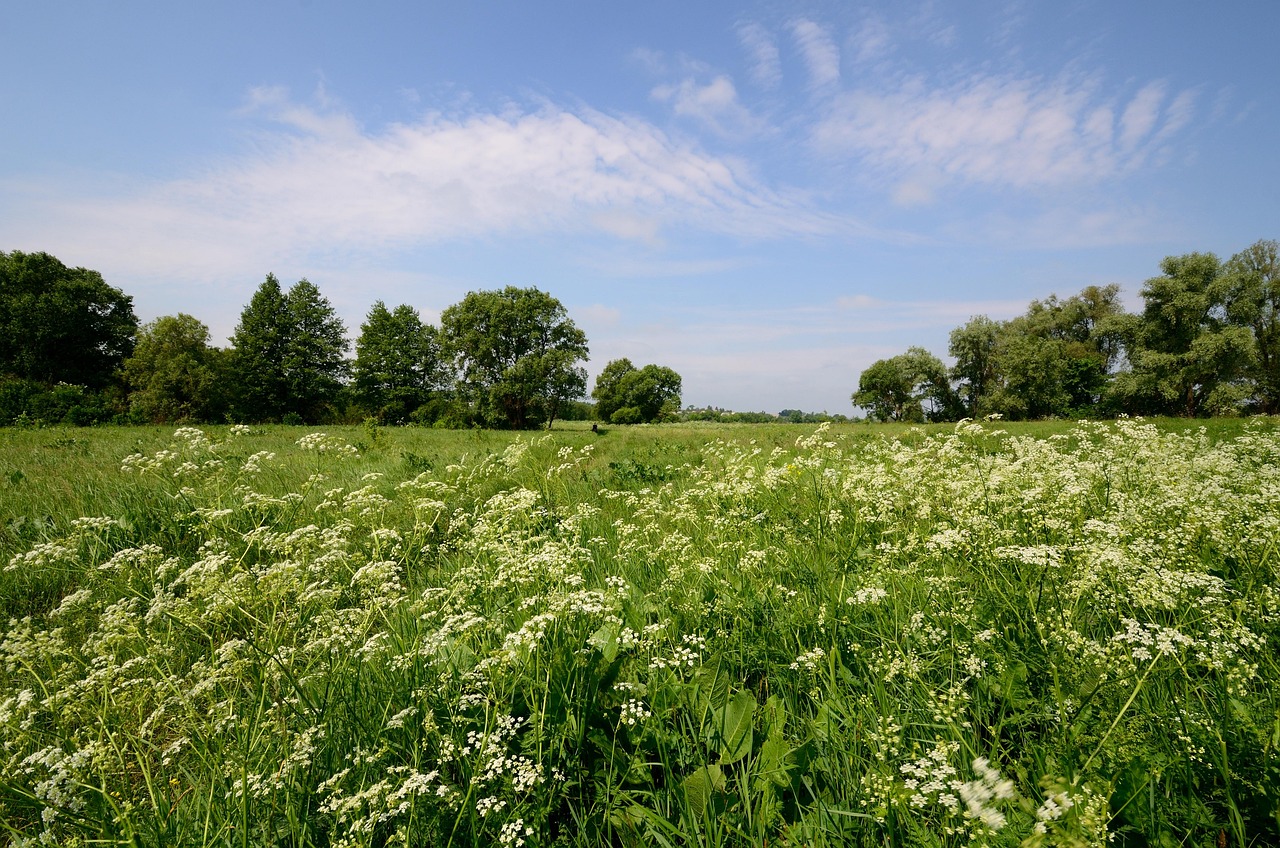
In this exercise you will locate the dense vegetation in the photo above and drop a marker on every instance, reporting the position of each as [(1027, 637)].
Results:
[(1207, 342), (681, 635), (73, 353)]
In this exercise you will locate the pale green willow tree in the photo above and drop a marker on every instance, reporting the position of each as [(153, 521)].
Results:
[(912, 386), (173, 374), (973, 346), (1186, 357), (1253, 300)]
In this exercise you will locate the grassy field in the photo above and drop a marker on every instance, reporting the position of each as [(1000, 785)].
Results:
[(1042, 634)]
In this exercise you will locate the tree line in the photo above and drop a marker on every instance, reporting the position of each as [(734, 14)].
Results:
[(72, 351), (1207, 342)]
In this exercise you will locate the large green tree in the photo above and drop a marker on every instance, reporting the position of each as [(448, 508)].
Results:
[(1056, 359), (1252, 300), (973, 346), (287, 354), (399, 367), (173, 374), (1185, 356), (516, 353), (911, 386), (625, 394), (60, 324)]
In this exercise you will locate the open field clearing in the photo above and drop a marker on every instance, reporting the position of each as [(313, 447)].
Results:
[(1051, 634)]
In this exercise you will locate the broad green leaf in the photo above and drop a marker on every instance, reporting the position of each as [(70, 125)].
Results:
[(731, 732), (699, 786), (605, 640)]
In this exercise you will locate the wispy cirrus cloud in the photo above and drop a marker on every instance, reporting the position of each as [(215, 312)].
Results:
[(766, 63), (872, 40), (1002, 131), (819, 51), (714, 104), (316, 180)]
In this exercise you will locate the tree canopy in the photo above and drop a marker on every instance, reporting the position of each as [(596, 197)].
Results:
[(399, 366), (60, 324), (516, 352), (1186, 356), (174, 374), (625, 394), (1206, 342), (287, 354), (912, 386)]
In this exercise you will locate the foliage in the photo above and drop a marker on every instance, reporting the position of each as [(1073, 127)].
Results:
[(1055, 360), (1253, 300), (958, 637), (973, 346), (28, 403), (60, 324), (287, 355), (1185, 356), (725, 416), (174, 375), (517, 354), (625, 394), (907, 387), (398, 367)]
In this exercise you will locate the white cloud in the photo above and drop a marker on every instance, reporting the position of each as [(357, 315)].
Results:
[(640, 267), (1140, 115), (859, 301), (316, 182), (715, 105), (766, 67), (915, 191), (629, 225), (999, 131), (872, 40), (819, 51), (1069, 227)]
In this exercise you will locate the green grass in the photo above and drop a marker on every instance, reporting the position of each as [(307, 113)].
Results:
[(1013, 634)]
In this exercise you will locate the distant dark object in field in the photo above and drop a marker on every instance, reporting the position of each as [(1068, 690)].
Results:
[(595, 428)]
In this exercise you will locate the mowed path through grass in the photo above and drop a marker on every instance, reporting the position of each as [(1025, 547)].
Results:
[(713, 635)]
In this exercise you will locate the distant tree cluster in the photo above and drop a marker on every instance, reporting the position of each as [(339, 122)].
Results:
[(786, 416), (64, 335), (1206, 343), (72, 351)]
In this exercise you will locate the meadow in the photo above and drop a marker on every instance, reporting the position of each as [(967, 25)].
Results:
[(749, 635)]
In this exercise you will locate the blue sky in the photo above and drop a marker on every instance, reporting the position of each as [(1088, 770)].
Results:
[(766, 197)]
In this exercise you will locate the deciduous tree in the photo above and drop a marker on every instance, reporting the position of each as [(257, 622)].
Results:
[(973, 346), (173, 372), (912, 386), (517, 353), (398, 366), (1185, 357), (1252, 300), (60, 324), (625, 394)]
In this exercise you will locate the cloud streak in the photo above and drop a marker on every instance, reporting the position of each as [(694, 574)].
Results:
[(766, 64), (317, 181), (1001, 131), (820, 53)]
